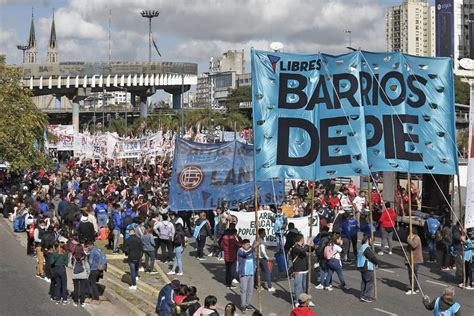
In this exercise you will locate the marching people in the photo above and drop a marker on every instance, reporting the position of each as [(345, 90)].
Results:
[(80, 274), (299, 256), (332, 253), (445, 304), (263, 260), (133, 248), (179, 242), (149, 250), (246, 270), (446, 241), (230, 243), (350, 228), (202, 230), (279, 227), (387, 226), (366, 263), (59, 262), (38, 236), (165, 230), (432, 229), (468, 240), (302, 308), (414, 244)]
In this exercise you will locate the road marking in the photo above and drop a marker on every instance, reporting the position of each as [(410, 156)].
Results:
[(385, 312), (437, 283), (387, 270)]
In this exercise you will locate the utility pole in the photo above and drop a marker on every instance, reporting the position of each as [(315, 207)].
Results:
[(350, 36), (149, 14)]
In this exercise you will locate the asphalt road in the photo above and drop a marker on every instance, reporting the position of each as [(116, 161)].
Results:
[(21, 293), (392, 282)]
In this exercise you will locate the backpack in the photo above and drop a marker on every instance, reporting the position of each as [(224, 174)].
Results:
[(19, 224), (31, 231), (328, 253), (290, 260), (128, 219), (111, 223), (102, 261), (323, 242), (166, 230)]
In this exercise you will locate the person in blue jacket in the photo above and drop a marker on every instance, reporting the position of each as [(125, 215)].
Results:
[(349, 229), (101, 213), (165, 304), (432, 227), (117, 219)]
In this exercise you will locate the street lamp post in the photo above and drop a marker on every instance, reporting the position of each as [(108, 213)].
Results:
[(149, 14), (23, 48), (350, 36)]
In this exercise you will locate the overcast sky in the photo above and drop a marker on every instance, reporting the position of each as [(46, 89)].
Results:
[(192, 30)]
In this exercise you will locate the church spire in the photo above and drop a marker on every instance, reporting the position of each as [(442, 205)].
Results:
[(52, 54), (31, 53), (32, 38)]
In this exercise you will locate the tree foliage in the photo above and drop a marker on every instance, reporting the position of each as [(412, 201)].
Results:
[(21, 123), (461, 90), (239, 95)]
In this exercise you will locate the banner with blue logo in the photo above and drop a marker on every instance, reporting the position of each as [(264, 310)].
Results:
[(318, 116), (205, 175)]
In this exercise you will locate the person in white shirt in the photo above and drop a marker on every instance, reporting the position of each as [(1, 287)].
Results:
[(334, 263), (359, 205), (263, 260)]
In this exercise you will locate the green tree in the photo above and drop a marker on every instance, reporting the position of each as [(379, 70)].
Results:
[(461, 91), (21, 123), (241, 94)]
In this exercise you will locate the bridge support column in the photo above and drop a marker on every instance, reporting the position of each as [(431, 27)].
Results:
[(143, 106), (75, 114), (176, 92), (57, 102)]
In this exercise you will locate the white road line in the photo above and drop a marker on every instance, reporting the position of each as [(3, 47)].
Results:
[(385, 312), (437, 283), (387, 270)]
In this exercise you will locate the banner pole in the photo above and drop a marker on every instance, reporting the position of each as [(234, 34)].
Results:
[(372, 241), (410, 232), (461, 216), (259, 286), (310, 254)]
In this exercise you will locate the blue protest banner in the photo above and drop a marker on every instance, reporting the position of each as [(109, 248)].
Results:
[(204, 175), (318, 116)]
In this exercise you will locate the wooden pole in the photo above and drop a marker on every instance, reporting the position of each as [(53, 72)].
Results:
[(371, 231), (310, 222), (410, 232), (461, 219), (259, 286)]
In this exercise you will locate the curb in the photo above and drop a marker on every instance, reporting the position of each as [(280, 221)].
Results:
[(142, 286), (116, 299)]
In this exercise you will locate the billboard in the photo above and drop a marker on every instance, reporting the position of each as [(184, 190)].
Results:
[(444, 28)]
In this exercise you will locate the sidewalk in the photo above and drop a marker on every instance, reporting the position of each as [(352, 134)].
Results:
[(112, 303)]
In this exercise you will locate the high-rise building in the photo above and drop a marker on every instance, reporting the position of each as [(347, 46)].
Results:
[(455, 29), (231, 60), (409, 28), (52, 54)]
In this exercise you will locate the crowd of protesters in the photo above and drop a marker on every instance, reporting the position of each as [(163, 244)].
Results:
[(65, 212)]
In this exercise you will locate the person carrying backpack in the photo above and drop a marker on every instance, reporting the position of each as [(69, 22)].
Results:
[(97, 263), (165, 230), (332, 253), (80, 274), (324, 240)]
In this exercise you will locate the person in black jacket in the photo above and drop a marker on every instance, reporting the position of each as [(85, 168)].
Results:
[(290, 237), (86, 230), (47, 244), (299, 256), (204, 227), (133, 248)]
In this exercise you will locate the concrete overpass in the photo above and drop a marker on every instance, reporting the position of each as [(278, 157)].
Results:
[(76, 80)]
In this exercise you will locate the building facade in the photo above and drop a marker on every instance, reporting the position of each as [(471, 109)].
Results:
[(232, 60), (409, 28)]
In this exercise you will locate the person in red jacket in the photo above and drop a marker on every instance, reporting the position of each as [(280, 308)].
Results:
[(387, 226), (302, 309), (230, 244)]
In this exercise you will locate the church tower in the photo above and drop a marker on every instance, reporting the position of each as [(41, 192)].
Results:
[(52, 54), (31, 53)]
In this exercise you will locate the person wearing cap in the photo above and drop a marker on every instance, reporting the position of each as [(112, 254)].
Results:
[(366, 262), (165, 304), (303, 306), (443, 305)]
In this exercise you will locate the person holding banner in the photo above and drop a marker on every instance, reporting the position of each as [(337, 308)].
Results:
[(202, 230), (366, 263), (280, 223)]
